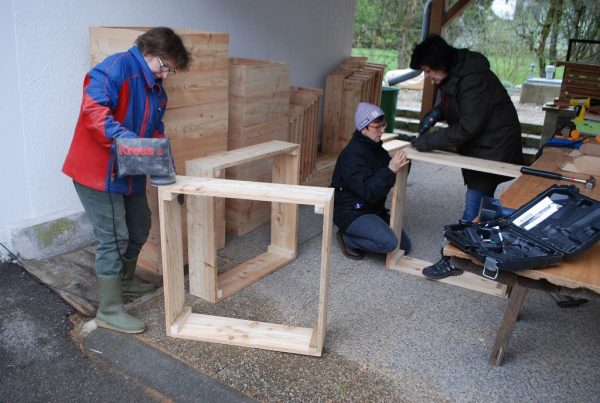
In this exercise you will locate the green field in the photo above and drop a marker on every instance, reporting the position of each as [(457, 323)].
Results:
[(509, 71)]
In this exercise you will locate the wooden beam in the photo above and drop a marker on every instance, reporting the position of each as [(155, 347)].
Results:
[(455, 10), (455, 160)]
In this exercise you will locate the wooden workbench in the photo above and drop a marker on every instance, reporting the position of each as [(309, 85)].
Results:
[(580, 277)]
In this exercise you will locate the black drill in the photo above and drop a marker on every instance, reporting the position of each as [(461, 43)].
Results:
[(430, 119)]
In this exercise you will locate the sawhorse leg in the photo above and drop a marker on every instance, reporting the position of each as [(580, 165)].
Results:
[(513, 307)]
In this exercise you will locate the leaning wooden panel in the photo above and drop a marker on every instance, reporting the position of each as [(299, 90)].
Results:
[(182, 323)]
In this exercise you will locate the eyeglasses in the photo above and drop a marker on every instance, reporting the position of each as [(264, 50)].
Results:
[(379, 128), (164, 68)]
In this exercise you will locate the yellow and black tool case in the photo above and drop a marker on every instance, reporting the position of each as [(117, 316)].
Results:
[(559, 223)]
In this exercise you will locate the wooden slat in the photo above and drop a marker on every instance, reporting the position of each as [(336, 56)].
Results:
[(242, 156), (246, 333), (172, 256), (466, 280), (454, 160), (277, 192), (248, 273)]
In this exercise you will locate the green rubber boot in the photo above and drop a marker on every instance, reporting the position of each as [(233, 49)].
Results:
[(129, 286), (111, 314)]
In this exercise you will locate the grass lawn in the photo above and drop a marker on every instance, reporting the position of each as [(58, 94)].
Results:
[(511, 72)]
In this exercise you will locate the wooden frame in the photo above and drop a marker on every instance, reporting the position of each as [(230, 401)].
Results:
[(181, 322), (396, 260), (206, 223)]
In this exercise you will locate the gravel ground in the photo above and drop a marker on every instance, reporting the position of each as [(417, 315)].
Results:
[(528, 113)]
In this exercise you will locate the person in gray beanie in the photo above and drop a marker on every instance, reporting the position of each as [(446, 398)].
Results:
[(363, 176)]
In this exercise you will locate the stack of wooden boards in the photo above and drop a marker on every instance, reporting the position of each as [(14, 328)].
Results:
[(259, 93), (354, 81), (304, 126)]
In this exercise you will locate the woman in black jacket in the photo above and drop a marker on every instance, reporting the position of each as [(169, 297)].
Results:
[(363, 175), (482, 120)]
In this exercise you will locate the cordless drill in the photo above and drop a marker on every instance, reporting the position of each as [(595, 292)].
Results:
[(430, 119)]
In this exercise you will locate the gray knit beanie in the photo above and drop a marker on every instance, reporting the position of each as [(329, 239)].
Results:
[(365, 114)]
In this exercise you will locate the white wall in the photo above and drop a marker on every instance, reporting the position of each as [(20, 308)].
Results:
[(45, 49)]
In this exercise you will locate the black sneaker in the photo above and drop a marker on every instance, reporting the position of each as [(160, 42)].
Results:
[(441, 269)]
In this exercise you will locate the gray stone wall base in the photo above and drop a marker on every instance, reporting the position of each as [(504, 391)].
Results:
[(52, 238)]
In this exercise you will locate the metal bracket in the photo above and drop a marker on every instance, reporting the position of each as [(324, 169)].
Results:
[(490, 265)]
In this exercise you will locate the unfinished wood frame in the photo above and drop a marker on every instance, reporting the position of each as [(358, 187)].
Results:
[(202, 219), (396, 260), (181, 322)]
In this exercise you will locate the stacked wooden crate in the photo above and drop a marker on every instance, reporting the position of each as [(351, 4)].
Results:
[(196, 120), (258, 112), (304, 126), (355, 80)]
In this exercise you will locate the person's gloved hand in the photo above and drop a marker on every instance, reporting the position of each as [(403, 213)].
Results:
[(430, 119), (420, 143)]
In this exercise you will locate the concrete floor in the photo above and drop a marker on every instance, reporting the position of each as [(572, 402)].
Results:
[(392, 336)]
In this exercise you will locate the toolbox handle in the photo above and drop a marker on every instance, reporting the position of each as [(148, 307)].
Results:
[(490, 266)]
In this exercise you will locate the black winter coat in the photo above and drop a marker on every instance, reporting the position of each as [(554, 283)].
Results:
[(362, 181), (482, 120)]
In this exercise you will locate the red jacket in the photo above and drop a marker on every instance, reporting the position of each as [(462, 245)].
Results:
[(121, 98)]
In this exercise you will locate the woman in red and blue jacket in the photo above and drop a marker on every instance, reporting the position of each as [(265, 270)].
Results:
[(123, 96)]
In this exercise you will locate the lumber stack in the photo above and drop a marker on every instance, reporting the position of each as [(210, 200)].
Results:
[(355, 80), (259, 98), (304, 126), (196, 120)]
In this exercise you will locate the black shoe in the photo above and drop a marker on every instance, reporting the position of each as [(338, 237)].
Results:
[(349, 252), (441, 269)]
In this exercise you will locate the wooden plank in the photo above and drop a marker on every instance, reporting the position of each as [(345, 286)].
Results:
[(323, 281), (332, 115), (202, 255), (248, 273), (396, 216), (284, 216), (172, 256), (454, 160), (466, 280), (276, 192), (245, 333), (244, 155)]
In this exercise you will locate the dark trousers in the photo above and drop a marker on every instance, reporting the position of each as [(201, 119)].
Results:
[(371, 233), (121, 226)]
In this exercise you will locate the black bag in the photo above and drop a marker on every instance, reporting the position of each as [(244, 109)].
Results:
[(557, 224), (144, 156)]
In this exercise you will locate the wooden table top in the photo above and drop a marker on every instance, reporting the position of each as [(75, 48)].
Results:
[(583, 272)]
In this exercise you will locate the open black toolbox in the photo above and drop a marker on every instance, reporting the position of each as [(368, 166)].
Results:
[(557, 224)]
